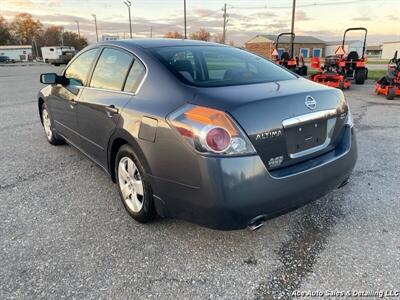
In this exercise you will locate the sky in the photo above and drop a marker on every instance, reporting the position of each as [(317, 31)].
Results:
[(325, 19)]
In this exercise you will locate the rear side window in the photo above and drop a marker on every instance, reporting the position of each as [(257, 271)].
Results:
[(135, 77), (111, 70), (79, 69), (208, 66)]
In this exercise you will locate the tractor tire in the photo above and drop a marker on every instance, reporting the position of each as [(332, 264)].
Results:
[(360, 76), (391, 93)]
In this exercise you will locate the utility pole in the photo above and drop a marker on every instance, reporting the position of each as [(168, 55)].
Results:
[(184, 14), (129, 4), (95, 24), (79, 32), (224, 27), (36, 48), (292, 30), (62, 36)]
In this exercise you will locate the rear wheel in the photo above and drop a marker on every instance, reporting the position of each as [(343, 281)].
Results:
[(52, 136), (391, 94), (134, 189), (360, 76)]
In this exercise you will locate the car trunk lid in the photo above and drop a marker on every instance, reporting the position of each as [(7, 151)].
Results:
[(287, 122)]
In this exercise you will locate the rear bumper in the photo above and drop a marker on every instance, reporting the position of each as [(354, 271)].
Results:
[(236, 190)]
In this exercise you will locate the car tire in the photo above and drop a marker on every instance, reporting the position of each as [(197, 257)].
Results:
[(133, 186), (47, 122), (360, 76), (391, 94)]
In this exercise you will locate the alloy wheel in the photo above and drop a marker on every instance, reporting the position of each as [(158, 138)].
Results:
[(47, 124), (130, 184)]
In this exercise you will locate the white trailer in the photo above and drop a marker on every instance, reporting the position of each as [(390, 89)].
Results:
[(58, 55)]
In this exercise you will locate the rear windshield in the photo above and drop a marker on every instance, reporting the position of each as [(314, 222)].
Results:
[(208, 66)]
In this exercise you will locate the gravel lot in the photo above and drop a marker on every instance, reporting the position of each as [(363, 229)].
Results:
[(64, 232)]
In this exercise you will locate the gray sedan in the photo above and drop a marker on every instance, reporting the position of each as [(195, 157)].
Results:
[(200, 131)]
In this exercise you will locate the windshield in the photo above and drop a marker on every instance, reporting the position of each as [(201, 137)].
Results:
[(208, 66)]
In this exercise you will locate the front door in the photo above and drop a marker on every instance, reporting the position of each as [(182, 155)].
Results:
[(65, 97)]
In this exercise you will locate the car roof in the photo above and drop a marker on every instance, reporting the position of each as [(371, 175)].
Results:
[(157, 43)]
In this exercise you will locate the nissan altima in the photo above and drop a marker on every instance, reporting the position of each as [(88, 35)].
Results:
[(200, 131)]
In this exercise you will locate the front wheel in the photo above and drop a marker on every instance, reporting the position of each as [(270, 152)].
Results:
[(52, 136), (134, 189)]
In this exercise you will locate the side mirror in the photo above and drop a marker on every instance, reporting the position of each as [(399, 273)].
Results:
[(50, 78)]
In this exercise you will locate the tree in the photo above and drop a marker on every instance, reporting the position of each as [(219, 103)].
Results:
[(73, 39), (173, 35), (201, 35), (51, 36), (5, 35), (25, 28)]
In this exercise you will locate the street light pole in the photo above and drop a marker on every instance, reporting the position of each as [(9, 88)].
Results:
[(95, 24), (129, 4), (79, 32)]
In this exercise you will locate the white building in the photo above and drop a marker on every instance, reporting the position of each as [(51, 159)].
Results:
[(17, 52), (349, 45), (109, 37), (388, 49)]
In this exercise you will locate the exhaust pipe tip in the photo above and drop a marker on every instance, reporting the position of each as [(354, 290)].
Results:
[(257, 222)]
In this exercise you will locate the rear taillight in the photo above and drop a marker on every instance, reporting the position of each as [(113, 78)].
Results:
[(210, 131)]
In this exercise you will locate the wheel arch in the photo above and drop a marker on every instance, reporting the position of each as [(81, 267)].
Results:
[(119, 138)]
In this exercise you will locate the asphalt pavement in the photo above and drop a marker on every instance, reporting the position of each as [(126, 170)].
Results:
[(64, 232)]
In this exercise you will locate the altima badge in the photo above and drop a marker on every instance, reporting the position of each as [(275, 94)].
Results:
[(269, 134), (310, 102)]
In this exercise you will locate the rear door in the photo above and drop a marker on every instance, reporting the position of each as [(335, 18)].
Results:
[(115, 79), (64, 98)]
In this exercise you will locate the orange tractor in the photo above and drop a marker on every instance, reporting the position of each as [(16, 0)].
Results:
[(287, 59), (389, 85), (340, 69)]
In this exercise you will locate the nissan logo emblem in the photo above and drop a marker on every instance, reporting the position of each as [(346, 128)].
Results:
[(310, 102)]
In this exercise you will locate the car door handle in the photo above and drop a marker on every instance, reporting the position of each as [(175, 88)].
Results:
[(111, 110), (72, 103)]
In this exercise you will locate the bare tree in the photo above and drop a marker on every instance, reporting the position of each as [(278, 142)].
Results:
[(202, 35), (173, 35)]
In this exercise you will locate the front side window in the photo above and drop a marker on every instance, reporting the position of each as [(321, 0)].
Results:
[(111, 70), (79, 69), (208, 66), (135, 77)]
